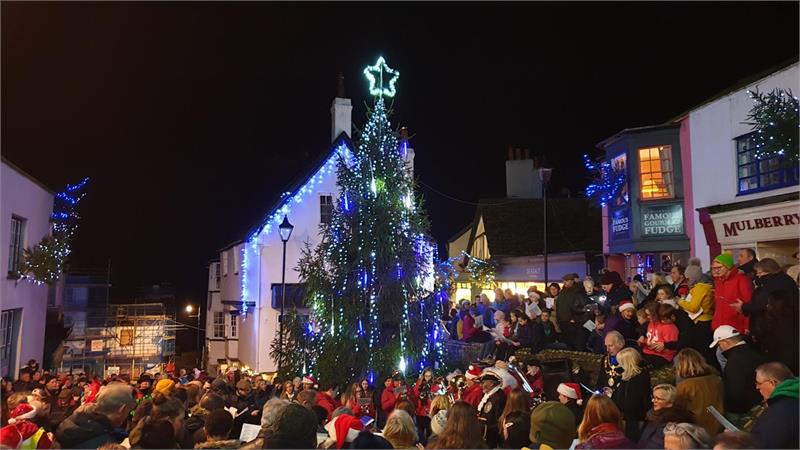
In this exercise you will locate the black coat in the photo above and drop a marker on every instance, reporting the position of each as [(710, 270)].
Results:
[(756, 309), (524, 335), (686, 328), (632, 397), (653, 432), (777, 426), (489, 415), (617, 295), (739, 376), (86, 430)]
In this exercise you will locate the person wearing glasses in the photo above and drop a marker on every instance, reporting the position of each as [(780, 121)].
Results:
[(777, 426), (732, 289), (683, 436), (663, 412)]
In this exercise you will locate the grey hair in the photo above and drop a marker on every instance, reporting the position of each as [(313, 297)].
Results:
[(617, 336), (271, 410), (113, 396), (691, 435)]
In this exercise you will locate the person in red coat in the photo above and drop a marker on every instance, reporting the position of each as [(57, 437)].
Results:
[(326, 397), (473, 393), (425, 389), (731, 286), (360, 402), (394, 393)]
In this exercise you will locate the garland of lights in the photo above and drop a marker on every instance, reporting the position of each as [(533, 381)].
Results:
[(482, 273), (774, 118), (607, 181), (44, 263)]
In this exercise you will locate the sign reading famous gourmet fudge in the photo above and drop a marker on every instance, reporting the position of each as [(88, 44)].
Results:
[(662, 220)]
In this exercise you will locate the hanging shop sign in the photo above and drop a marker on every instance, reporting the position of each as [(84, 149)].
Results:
[(621, 224), (662, 220), (96, 345)]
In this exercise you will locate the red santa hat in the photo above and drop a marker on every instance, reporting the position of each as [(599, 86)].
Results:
[(23, 411), (626, 304), (571, 390), (344, 428), (473, 372), (308, 379), (10, 437)]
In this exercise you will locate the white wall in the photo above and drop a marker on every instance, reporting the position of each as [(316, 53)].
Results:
[(24, 198), (713, 151)]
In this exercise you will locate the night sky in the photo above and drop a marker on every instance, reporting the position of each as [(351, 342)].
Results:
[(190, 117)]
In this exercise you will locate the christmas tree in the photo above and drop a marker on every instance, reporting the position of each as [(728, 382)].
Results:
[(774, 118), (369, 283)]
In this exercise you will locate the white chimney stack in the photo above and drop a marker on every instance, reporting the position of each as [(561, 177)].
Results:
[(523, 179), (341, 112)]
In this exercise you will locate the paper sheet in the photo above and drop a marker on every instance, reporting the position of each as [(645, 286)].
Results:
[(549, 302), (589, 325), (696, 314), (249, 432)]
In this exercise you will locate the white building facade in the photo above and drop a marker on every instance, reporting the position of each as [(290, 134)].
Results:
[(25, 212), (736, 201)]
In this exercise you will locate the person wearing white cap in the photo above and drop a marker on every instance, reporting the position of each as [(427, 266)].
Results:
[(738, 371)]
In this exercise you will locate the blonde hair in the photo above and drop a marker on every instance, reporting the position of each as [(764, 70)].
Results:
[(400, 430), (690, 363), (439, 403), (599, 409), (670, 390), (630, 361)]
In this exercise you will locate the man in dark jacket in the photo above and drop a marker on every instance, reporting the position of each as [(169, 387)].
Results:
[(737, 377), (98, 424), (746, 260), (615, 290), (570, 304), (491, 406), (778, 426), (769, 279), (24, 383)]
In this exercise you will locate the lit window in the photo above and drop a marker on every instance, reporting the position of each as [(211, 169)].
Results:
[(655, 170), (755, 175)]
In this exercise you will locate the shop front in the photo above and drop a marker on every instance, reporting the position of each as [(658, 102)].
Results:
[(645, 230), (770, 226)]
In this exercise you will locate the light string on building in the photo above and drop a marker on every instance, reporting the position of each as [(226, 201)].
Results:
[(774, 120), (607, 181)]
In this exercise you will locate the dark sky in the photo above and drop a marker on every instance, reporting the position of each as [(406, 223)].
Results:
[(189, 117)]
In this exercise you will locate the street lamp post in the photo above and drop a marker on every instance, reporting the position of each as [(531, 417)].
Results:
[(286, 232), (190, 309), (544, 175)]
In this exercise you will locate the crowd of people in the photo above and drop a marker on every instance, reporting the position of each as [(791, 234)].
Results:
[(730, 335)]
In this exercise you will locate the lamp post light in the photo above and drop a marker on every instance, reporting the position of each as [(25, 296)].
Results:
[(189, 311), (286, 232), (544, 176)]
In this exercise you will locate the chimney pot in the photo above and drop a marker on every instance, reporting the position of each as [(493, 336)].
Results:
[(527, 153), (518, 153), (510, 153)]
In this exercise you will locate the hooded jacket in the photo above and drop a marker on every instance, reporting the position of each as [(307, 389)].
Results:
[(653, 432), (86, 430), (736, 286), (194, 424), (777, 427), (756, 310)]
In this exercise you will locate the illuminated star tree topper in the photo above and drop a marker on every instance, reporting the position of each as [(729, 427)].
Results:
[(382, 79)]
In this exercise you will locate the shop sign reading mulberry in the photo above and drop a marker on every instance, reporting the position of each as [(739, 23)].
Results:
[(662, 220)]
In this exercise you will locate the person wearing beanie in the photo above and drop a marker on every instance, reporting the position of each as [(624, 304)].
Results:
[(438, 424), (165, 387), (31, 435), (552, 426), (731, 286), (247, 411), (699, 305), (569, 395), (616, 291)]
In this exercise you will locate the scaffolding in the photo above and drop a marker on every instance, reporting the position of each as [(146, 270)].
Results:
[(125, 339)]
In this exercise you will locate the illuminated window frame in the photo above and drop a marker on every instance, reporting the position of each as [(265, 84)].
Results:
[(665, 173)]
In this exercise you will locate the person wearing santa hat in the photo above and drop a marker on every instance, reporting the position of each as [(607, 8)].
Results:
[(623, 321), (31, 435), (309, 383), (343, 429), (569, 394), (472, 393)]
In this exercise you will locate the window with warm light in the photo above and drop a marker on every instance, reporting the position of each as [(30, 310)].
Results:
[(655, 172)]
